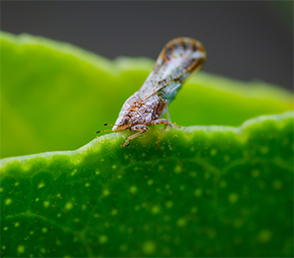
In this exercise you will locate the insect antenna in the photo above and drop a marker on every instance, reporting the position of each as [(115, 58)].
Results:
[(104, 131), (107, 129)]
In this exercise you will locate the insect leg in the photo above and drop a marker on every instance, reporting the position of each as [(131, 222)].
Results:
[(160, 122), (168, 116), (141, 128)]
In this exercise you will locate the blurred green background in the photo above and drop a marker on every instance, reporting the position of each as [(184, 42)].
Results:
[(54, 96), (244, 39)]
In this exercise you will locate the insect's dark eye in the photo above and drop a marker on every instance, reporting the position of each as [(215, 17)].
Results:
[(126, 120)]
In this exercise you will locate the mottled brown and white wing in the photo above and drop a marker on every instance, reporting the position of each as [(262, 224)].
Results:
[(177, 61)]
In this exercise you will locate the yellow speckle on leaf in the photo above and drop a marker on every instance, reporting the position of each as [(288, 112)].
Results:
[(181, 222), (8, 201), (198, 192), (114, 167), (87, 184), (21, 249), (227, 158), (233, 197), (155, 209), (74, 172), (97, 172), (103, 239), (169, 204), (5, 228), (213, 152), (194, 209), (1, 189), (68, 206), (44, 230), (32, 232), (40, 185), (193, 174), (137, 207), (264, 150), (114, 212), (255, 173), (149, 247), (106, 192), (133, 189), (160, 168), (16, 224), (264, 236), (277, 184), (46, 204), (43, 250), (178, 169), (182, 187), (123, 248), (16, 184), (150, 182)]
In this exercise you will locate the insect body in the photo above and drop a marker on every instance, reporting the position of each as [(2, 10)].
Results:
[(177, 61)]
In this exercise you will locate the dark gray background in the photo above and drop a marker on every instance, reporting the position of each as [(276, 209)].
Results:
[(244, 40)]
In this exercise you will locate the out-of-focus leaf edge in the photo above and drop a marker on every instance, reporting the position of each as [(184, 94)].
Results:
[(185, 137)]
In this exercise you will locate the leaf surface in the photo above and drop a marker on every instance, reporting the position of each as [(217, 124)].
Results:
[(208, 191)]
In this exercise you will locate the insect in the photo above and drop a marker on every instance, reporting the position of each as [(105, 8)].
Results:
[(177, 61)]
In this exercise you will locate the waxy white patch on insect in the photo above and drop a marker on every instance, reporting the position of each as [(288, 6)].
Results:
[(177, 61)]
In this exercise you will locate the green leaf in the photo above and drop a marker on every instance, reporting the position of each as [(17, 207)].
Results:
[(207, 191), (54, 96)]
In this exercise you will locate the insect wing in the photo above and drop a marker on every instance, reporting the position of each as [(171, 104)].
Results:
[(176, 62)]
